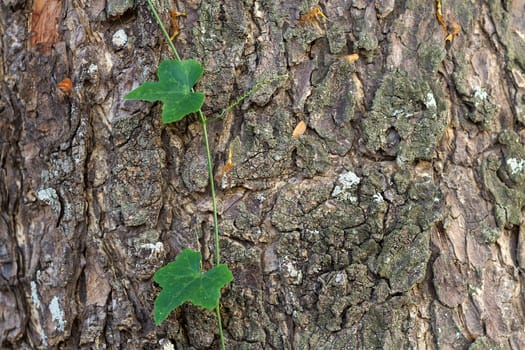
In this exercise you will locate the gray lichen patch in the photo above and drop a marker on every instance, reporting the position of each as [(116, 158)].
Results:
[(115, 8), (312, 157), (484, 343), (57, 314), (299, 37), (219, 46), (430, 56), (331, 107), (507, 19), (411, 109), (404, 256), (449, 282), (346, 187), (137, 184), (242, 220), (505, 179), (513, 167), (297, 200), (339, 290), (344, 237), (50, 197), (194, 169), (389, 325), (448, 327), (366, 25), (509, 201), (485, 109), (264, 149), (405, 249)]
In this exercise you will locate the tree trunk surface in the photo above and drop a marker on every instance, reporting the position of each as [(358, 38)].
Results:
[(393, 222)]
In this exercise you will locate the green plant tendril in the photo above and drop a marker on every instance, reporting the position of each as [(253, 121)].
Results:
[(248, 94), (203, 121)]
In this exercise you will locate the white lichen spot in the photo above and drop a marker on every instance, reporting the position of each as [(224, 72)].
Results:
[(378, 198), (397, 112), (92, 72), (430, 101), (120, 39), (337, 190), (92, 69), (480, 93), (516, 165), (521, 112), (349, 198), (474, 291), (43, 336), (349, 179), (258, 12), (345, 196), (57, 314), (34, 295), (156, 248), (520, 34), (49, 196), (346, 182), (295, 275), (340, 278), (166, 344)]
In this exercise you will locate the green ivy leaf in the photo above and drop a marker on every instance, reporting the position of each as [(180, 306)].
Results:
[(176, 79), (182, 280)]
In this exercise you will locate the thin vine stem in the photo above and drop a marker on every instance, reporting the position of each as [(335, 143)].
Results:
[(203, 122), (164, 31), (247, 94), (212, 187)]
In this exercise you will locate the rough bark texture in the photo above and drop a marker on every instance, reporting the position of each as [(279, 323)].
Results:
[(394, 222)]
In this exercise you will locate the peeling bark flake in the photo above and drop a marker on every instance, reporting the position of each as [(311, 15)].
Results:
[(44, 24)]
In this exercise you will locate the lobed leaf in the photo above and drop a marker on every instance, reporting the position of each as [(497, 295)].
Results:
[(174, 89), (182, 280)]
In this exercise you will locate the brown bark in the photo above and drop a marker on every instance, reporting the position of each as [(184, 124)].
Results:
[(394, 221)]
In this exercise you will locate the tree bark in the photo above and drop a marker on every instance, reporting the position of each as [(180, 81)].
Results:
[(394, 221)]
